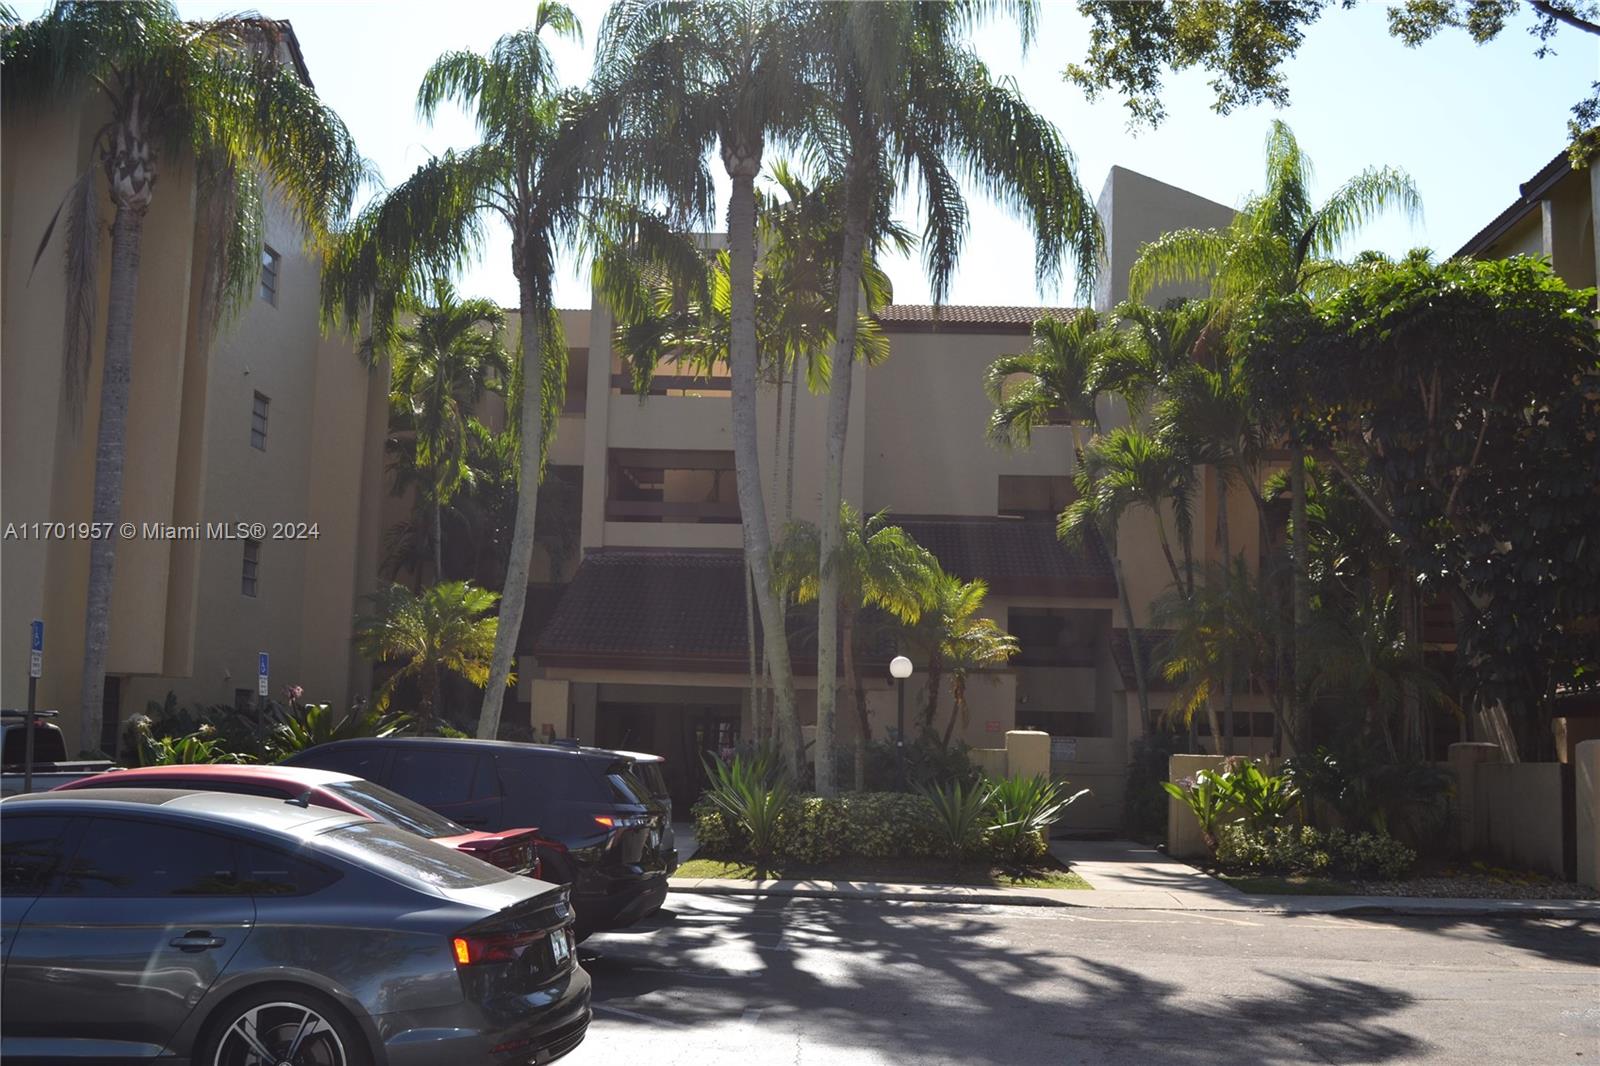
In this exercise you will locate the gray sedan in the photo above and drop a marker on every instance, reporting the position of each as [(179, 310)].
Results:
[(230, 930)]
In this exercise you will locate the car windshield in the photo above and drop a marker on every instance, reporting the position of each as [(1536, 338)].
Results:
[(395, 809), (406, 857)]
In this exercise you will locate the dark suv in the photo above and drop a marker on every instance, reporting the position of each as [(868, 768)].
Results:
[(611, 837)]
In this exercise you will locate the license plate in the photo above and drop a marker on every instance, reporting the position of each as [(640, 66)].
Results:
[(561, 946)]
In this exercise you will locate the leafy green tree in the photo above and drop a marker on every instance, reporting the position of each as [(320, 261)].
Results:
[(440, 630), (1458, 404), (878, 565), (1280, 242), (1128, 468), (211, 91), (727, 76), (1243, 46), (444, 362), (905, 101)]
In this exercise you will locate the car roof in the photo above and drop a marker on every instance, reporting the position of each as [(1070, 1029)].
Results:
[(464, 743), (303, 776), (238, 812)]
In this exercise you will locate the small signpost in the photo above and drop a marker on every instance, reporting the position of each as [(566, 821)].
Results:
[(35, 668), (261, 675)]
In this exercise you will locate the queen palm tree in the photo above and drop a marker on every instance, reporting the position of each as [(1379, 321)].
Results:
[(958, 640), (444, 362), (908, 102), (878, 565), (727, 76), (1279, 243), (214, 91), (440, 630), (536, 168)]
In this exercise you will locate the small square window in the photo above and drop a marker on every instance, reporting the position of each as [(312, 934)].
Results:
[(269, 274), (258, 423), (252, 567)]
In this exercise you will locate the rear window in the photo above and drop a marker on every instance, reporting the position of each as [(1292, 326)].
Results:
[(47, 745), (389, 806), (626, 786), (406, 857), (649, 773)]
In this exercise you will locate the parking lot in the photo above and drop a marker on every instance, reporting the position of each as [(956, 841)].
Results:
[(738, 980)]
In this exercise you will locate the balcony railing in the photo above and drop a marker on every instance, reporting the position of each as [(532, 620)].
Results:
[(671, 511), (674, 384)]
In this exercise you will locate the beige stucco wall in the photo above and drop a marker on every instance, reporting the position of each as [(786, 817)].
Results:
[(179, 620), (1586, 784)]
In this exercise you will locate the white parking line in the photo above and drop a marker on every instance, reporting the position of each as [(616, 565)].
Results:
[(636, 1016)]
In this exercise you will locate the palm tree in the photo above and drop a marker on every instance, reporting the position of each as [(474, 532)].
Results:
[(1127, 468), (729, 76), (534, 169), (214, 91), (958, 640), (1279, 243), (443, 364), (878, 565), (907, 101), (441, 630)]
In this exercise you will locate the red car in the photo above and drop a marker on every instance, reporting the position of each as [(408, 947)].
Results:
[(509, 849)]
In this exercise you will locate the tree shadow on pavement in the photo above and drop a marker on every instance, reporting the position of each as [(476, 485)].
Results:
[(932, 982)]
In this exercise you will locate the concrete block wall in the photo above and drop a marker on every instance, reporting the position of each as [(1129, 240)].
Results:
[(1586, 784)]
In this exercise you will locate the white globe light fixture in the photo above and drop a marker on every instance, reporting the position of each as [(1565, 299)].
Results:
[(899, 667)]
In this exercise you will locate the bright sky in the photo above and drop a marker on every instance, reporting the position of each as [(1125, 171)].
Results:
[(1469, 123)]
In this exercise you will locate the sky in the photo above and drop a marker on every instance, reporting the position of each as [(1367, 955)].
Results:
[(1469, 123)]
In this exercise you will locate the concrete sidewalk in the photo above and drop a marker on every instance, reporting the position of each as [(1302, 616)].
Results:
[(1129, 876)]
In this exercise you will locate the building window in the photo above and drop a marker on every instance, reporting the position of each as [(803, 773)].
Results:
[(252, 567), (1034, 495), (258, 423), (671, 486), (269, 274)]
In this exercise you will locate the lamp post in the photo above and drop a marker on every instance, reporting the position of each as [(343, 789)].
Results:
[(900, 669)]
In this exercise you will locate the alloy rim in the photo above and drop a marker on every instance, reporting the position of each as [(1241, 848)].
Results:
[(280, 1034)]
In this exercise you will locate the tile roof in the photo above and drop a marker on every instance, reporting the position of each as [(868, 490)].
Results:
[(965, 318), (1528, 196), (1150, 641), (1016, 556)]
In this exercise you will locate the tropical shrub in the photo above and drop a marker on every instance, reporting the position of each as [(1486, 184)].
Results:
[(1207, 796), (201, 746), (960, 814), (813, 830), (222, 724), (1306, 850), (714, 832), (755, 804), (880, 825), (1367, 789), (1024, 809), (1144, 802), (1263, 800), (928, 764), (309, 724)]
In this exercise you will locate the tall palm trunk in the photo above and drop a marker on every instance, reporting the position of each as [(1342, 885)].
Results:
[(1224, 543), (519, 562), (852, 248), (934, 683), (742, 168), (130, 166), (958, 708), (1134, 646), (438, 537), (1299, 715), (857, 691)]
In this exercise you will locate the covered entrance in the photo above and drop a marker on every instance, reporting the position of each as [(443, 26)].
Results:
[(682, 733)]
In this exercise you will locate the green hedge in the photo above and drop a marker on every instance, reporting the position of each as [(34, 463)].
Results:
[(872, 825), (1304, 850)]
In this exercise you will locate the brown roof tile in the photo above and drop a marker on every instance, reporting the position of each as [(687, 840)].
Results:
[(965, 318), (1016, 556)]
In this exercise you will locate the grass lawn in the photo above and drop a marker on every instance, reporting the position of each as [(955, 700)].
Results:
[(1048, 874), (1291, 885)]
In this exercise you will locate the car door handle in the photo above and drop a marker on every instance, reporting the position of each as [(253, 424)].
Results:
[(197, 940)]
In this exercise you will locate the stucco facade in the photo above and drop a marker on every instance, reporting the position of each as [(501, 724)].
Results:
[(182, 620)]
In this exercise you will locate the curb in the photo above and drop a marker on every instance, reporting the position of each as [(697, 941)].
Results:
[(1544, 909)]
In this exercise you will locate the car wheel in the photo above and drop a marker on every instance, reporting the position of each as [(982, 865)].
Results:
[(279, 1025)]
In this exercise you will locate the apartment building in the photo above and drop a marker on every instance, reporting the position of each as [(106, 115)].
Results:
[(273, 424), (645, 646), (1556, 215)]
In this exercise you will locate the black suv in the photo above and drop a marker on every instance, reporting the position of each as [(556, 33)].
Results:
[(602, 828)]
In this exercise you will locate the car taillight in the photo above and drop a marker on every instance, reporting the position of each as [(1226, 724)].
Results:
[(628, 821), (473, 949)]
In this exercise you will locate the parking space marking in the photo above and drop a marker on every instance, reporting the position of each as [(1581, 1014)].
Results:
[(636, 1016)]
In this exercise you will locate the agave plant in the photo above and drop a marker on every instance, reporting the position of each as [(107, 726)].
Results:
[(311, 724), (1023, 810), (960, 815), (753, 793)]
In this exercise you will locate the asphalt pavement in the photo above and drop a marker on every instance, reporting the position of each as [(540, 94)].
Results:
[(752, 981)]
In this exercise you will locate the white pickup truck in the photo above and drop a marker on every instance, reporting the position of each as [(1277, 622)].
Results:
[(51, 767)]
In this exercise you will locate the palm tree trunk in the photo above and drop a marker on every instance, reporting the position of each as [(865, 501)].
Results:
[(1166, 550), (1134, 645), (958, 701), (746, 452), (110, 449), (934, 684), (1298, 713), (1224, 543), (857, 692), (750, 652), (519, 561), (788, 481), (438, 538), (852, 248)]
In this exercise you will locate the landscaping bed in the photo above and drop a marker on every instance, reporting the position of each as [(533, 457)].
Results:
[(1047, 873)]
